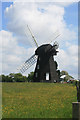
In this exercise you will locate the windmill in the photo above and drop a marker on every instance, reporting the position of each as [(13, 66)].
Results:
[(45, 70)]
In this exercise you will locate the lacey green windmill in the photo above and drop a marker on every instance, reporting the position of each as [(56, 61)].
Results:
[(45, 70)]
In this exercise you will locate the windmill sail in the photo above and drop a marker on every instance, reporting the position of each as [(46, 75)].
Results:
[(30, 37), (28, 63), (54, 36)]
